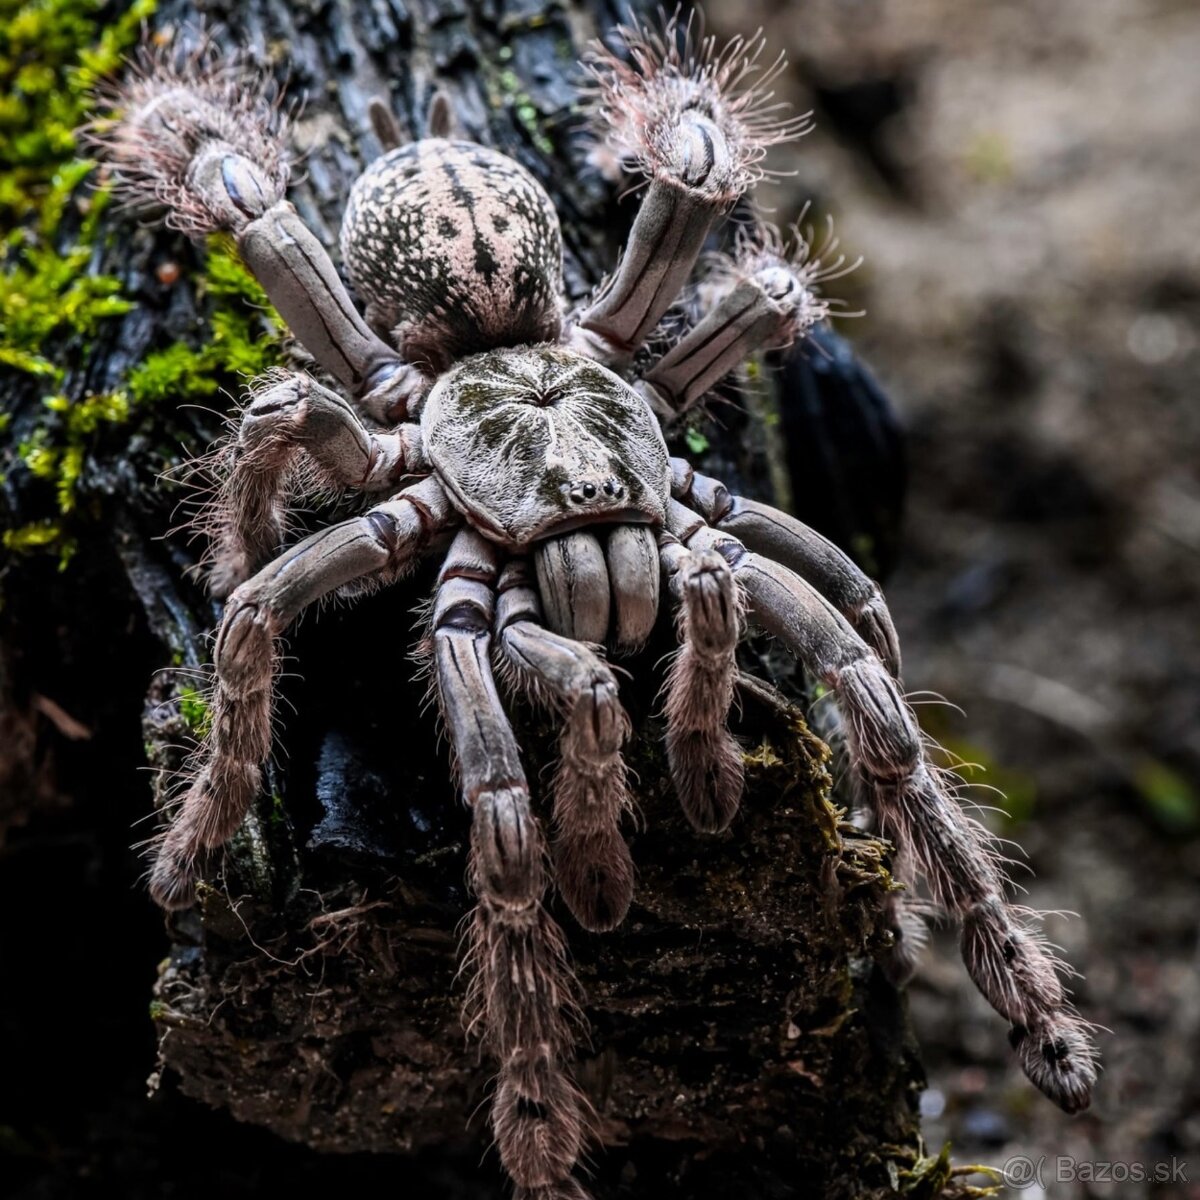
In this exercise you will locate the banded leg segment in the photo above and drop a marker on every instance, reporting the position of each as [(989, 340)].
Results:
[(783, 539), (696, 120), (521, 995), (1007, 959), (676, 214), (705, 761), (303, 284), (766, 310), (383, 544), (289, 413), (592, 864)]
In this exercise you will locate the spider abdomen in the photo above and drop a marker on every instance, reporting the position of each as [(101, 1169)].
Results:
[(456, 248), (536, 441)]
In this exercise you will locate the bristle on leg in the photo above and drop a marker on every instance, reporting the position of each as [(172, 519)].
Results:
[(205, 139), (671, 88)]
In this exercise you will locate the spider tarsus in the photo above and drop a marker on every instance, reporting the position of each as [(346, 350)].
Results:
[(593, 866), (594, 872), (521, 998), (173, 878), (203, 139), (1058, 1056), (537, 1117)]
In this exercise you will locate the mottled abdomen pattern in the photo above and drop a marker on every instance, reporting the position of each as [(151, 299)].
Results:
[(456, 249)]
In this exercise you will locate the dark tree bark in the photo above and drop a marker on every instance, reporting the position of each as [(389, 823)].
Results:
[(742, 1036)]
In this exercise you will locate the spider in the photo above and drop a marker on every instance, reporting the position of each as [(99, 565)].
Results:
[(526, 449)]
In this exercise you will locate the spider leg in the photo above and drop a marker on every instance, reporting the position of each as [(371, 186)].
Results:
[(673, 221), (592, 864), (1007, 959), (696, 121), (782, 538), (290, 414), (522, 991), (705, 761), (383, 543), (768, 307), (212, 150)]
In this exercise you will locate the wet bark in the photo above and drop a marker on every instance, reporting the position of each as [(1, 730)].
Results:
[(741, 1034)]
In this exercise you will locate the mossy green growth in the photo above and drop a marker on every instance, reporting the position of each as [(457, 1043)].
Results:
[(53, 300), (194, 709), (40, 536), (53, 53), (244, 338), (922, 1176)]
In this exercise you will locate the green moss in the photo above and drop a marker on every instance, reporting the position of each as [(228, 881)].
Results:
[(505, 91), (53, 53), (194, 709), (244, 337), (40, 535), (922, 1176), (52, 301)]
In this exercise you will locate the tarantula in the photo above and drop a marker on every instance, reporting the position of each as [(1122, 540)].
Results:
[(531, 447)]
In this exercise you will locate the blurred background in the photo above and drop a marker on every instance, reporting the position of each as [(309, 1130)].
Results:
[(1023, 181)]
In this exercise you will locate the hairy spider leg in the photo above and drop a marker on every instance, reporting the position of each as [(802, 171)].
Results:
[(780, 537), (592, 864), (1007, 959), (290, 416), (521, 994), (688, 118), (705, 762), (383, 544), (210, 145), (766, 309)]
